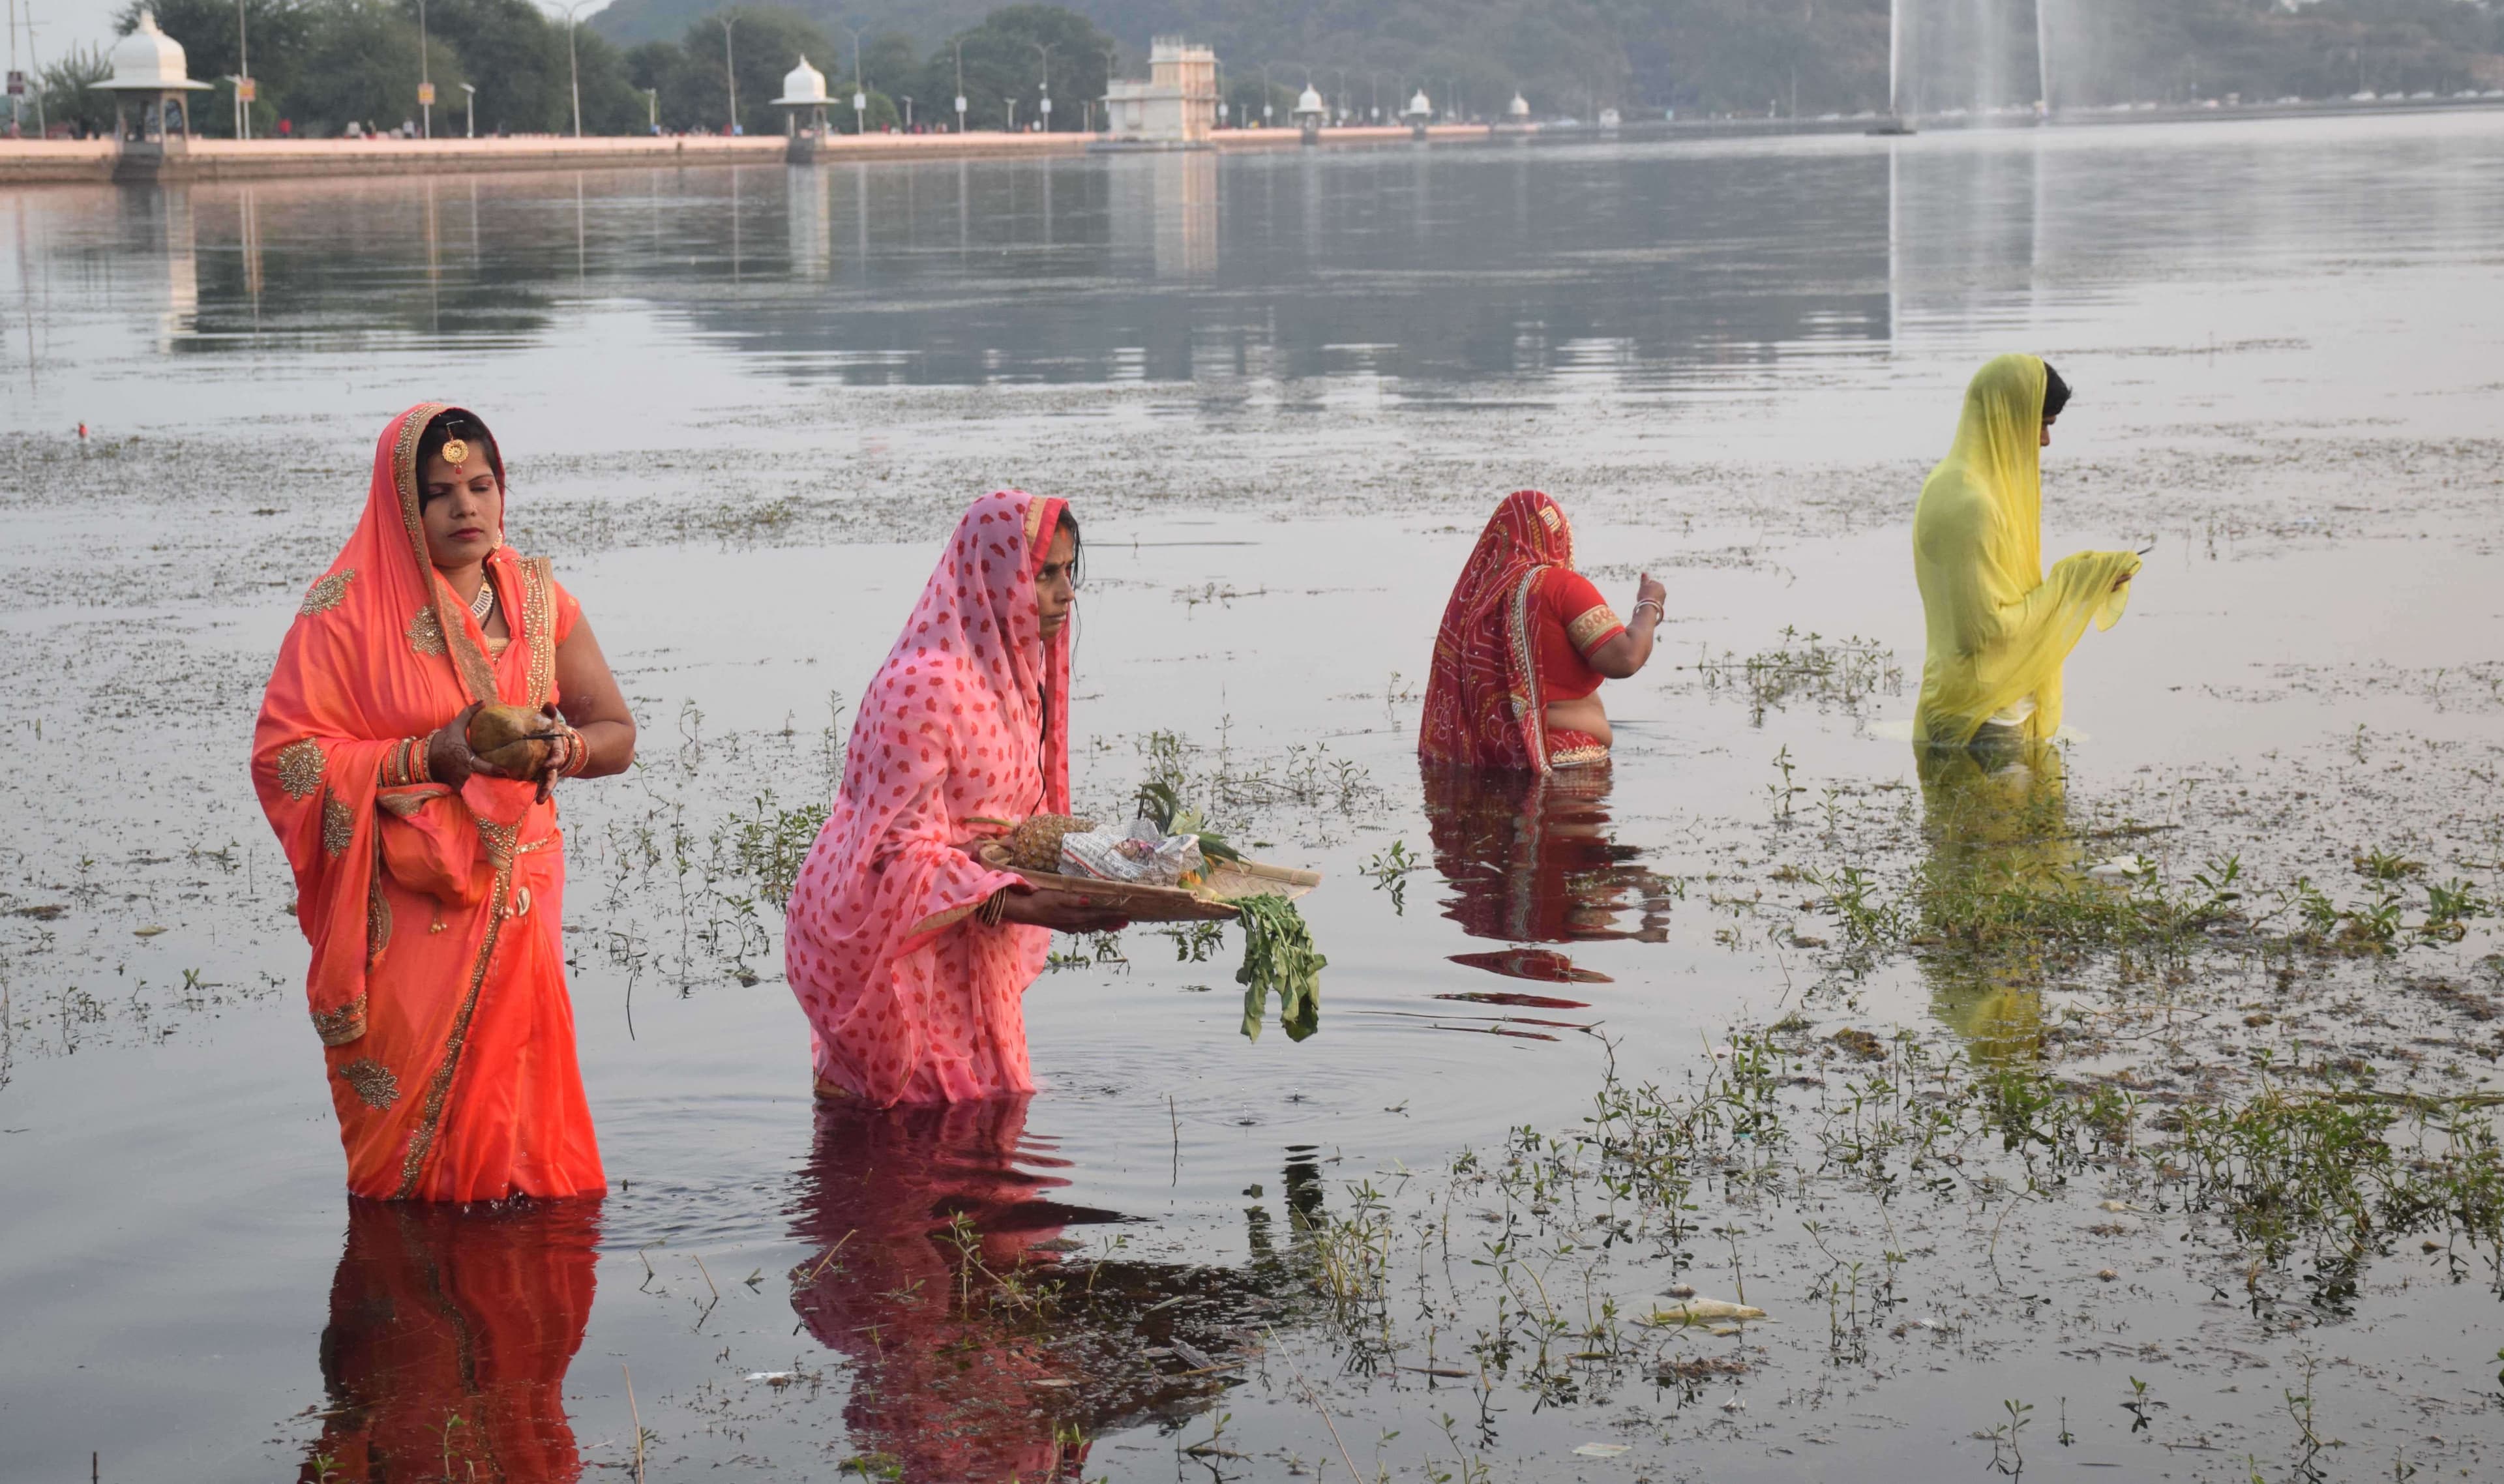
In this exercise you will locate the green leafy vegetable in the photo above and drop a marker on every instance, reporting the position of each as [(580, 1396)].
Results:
[(1278, 955), (1160, 806)]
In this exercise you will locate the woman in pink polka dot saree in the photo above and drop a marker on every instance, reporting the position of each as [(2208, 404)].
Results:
[(910, 958)]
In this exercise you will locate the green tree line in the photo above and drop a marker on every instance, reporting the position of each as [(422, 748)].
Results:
[(1009, 63), (322, 64), (1749, 56)]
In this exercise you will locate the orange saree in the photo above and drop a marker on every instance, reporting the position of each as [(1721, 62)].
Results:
[(437, 979)]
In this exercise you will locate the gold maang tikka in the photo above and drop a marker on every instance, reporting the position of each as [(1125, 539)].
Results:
[(456, 452)]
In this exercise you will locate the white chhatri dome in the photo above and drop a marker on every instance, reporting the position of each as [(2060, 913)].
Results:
[(1311, 102), (1419, 105), (803, 85), (1519, 107), (149, 59)]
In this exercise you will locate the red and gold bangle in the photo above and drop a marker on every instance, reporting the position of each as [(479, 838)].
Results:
[(574, 753), (405, 763)]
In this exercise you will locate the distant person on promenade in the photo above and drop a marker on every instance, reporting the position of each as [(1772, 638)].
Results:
[(910, 957), (1998, 627), (1526, 642), (431, 884)]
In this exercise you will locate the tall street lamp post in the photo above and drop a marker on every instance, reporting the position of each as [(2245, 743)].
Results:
[(860, 85), (425, 84), (470, 105), (1046, 53), (960, 84), (729, 73), (573, 73), (243, 81)]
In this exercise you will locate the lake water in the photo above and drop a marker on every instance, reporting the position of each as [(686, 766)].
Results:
[(1283, 392)]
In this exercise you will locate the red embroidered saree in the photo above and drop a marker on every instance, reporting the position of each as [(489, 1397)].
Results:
[(1485, 705), (437, 979), (969, 718)]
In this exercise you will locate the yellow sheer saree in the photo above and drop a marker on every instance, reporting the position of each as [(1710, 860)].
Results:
[(1997, 625)]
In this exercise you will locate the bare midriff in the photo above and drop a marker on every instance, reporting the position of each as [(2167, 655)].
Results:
[(1584, 715)]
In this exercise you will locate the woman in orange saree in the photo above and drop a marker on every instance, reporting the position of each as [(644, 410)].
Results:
[(910, 957), (430, 884), (1526, 642)]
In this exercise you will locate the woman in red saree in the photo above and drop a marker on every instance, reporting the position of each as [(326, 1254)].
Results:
[(429, 885), (1525, 644), (910, 957)]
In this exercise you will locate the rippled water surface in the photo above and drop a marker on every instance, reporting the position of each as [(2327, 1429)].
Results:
[(1284, 393)]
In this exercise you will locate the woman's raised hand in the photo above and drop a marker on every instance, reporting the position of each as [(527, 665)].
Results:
[(1649, 591), (1064, 911)]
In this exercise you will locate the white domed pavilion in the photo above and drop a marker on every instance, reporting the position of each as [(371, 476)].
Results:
[(149, 70)]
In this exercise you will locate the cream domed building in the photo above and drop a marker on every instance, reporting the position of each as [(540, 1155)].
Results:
[(803, 103), (150, 71)]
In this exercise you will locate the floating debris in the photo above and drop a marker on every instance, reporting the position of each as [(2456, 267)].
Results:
[(1862, 1044), (2122, 867), (150, 931), (1601, 1450), (1701, 1311)]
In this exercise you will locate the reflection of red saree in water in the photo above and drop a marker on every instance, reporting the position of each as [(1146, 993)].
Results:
[(908, 1000), (944, 1386), (1530, 858), (1486, 698), (443, 1312), (437, 979)]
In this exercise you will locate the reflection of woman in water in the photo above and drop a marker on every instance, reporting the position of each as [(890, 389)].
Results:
[(1530, 859), (1996, 813), (451, 1328), (1526, 642), (945, 1383), (911, 958), (980, 1354), (1998, 627), (430, 884)]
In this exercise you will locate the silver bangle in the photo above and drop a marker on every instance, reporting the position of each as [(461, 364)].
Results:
[(1656, 611)]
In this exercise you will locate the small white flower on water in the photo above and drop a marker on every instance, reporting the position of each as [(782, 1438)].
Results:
[(1734, 1405)]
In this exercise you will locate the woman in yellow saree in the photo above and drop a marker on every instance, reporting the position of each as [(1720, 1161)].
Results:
[(1997, 625)]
